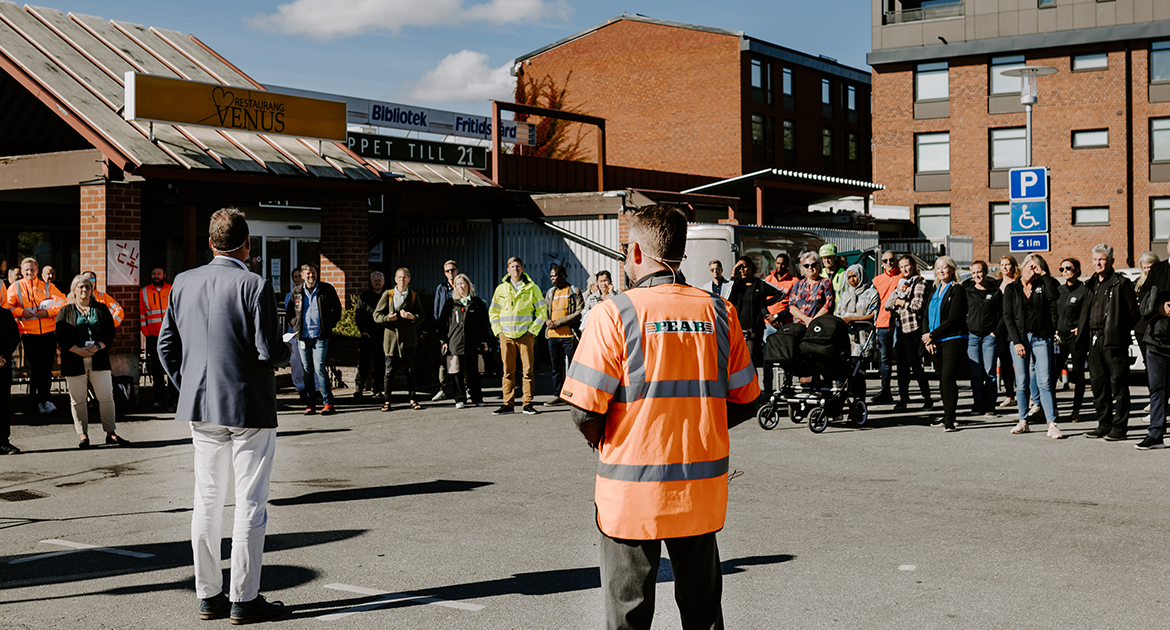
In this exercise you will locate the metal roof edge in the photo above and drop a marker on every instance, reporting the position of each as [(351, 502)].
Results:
[(805, 59), (625, 16), (1019, 43), (828, 179)]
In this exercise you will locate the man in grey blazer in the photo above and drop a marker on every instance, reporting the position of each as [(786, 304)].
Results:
[(227, 391)]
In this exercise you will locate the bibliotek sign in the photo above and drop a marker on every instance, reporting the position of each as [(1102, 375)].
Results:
[(412, 150), (153, 98)]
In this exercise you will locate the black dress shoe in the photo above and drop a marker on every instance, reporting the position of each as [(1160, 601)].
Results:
[(882, 399), (256, 610), (1096, 434), (1116, 437), (929, 404), (216, 607), (900, 405), (115, 440), (83, 444)]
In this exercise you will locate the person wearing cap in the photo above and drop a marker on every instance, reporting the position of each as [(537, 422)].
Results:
[(834, 270)]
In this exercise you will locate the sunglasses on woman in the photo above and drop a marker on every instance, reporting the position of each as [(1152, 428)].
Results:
[(809, 266)]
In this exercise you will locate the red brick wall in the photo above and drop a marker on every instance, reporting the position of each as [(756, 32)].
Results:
[(112, 211), (670, 96), (345, 248), (1079, 178)]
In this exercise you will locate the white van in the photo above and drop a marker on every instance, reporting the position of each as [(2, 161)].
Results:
[(725, 243)]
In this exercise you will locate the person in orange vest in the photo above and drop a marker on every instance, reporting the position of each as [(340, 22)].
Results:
[(778, 314), (152, 305), (885, 283), (661, 374), (116, 310), (34, 304)]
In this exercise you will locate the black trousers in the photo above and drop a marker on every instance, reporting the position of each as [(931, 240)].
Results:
[(5, 394), (1007, 371), (952, 359), (39, 352), (398, 365), (161, 386), (370, 353), (1076, 374), (910, 364), (465, 382), (1108, 371), (629, 573)]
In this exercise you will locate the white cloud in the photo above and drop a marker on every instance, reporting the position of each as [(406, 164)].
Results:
[(464, 76), (328, 19)]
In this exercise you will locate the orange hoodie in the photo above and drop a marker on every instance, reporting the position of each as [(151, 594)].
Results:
[(885, 284)]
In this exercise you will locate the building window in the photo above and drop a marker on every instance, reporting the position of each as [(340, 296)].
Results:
[(1160, 61), (1008, 148), (789, 136), (826, 93), (1001, 223), (827, 142), (1044, 4), (1096, 61), (934, 221), (1001, 84), (763, 145), (787, 82), (851, 150), (761, 82), (1090, 216), (933, 152), (932, 82), (1160, 219), (851, 98), (1160, 139), (1090, 139)]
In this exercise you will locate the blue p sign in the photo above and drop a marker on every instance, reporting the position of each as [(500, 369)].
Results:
[(1028, 183)]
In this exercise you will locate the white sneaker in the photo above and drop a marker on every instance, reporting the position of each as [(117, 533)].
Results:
[(50, 407), (1054, 431), (440, 395), (1034, 410), (1021, 427), (459, 405), (1147, 419)]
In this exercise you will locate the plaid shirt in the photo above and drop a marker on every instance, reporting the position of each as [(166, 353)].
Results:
[(809, 297), (910, 313)]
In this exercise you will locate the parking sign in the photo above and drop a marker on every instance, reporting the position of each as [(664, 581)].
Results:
[(1028, 183), (1029, 216)]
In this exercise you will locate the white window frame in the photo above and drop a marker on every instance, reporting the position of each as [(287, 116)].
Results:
[(1090, 138), (1091, 216), (1001, 223), (1090, 61), (1000, 84), (1007, 137), (931, 140), (1160, 128), (935, 214), (936, 75), (787, 81), (1160, 51), (1160, 208), (826, 92)]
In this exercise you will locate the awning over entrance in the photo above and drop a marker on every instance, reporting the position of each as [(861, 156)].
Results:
[(800, 189)]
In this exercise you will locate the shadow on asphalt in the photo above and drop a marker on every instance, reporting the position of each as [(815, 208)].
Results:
[(91, 564), (535, 583), (381, 492), (281, 434)]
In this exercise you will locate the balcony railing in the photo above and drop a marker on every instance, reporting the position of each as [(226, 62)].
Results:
[(942, 10)]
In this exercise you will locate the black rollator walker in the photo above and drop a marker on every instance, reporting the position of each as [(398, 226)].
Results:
[(829, 364)]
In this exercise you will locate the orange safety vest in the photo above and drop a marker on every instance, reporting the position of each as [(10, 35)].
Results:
[(28, 294), (152, 305), (662, 362), (116, 310)]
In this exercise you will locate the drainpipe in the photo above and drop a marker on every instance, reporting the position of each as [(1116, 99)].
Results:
[(1129, 151)]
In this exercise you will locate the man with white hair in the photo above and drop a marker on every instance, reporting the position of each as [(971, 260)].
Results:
[(1107, 318)]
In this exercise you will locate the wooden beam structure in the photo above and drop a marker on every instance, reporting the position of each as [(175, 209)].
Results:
[(499, 106)]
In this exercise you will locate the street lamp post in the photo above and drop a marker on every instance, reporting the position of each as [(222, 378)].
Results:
[(1029, 95)]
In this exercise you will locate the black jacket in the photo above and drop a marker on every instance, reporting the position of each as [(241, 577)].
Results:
[(1069, 305), (952, 314), (984, 308), (69, 336), (762, 296), (1121, 311), (1157, 334), (464, 328), (1045, 292), (9, 336), (363, 314), (328, 305)]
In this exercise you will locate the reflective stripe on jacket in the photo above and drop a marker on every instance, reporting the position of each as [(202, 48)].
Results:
[(152, 305), (28, 295), (662, 362), (513, 313), (116, 311)]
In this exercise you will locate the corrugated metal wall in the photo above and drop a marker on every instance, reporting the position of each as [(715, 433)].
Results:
[(424, 249), (845, 240)]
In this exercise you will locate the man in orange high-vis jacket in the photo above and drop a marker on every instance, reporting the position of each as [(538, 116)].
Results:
[(152, 305), (116, 310), (885, 283), (34, 304), (661, 373)]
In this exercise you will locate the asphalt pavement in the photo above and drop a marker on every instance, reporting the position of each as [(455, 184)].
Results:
[(446, 518)]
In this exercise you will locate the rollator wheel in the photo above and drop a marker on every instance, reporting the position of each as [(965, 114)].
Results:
[(768, 417), (794, 414), (859, 413), (817, 420)]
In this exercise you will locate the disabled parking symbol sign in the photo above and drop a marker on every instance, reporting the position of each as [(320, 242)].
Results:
[(1029, 217)]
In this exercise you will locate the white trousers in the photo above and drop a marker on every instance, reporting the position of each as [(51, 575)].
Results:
[(220, 451), (103, 389)]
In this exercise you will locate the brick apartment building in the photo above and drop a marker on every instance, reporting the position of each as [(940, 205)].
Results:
[(706, 101), (948, 126)]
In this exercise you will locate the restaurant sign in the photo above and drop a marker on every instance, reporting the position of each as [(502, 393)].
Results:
[(168, 100), (413, 150)]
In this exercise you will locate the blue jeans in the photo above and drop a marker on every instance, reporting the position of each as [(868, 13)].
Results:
[(885, 339), (981, 359), (1034, 370), (314, 353)]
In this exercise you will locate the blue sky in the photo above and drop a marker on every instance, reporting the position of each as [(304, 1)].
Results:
[(452, 54)]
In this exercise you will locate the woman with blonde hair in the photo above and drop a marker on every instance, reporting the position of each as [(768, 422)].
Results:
[(1030, 315), (946, 336), (85, 330), (1143, 286), (464, 330)]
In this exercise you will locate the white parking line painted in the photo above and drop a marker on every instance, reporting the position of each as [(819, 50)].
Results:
[(75, 547), (386, 598), (907, 567)]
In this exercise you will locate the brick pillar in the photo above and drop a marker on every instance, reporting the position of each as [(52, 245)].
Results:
[(619, 279), (113, 211), (345, 245)]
